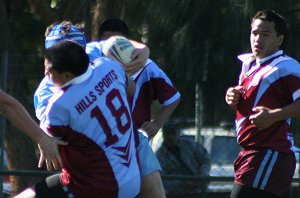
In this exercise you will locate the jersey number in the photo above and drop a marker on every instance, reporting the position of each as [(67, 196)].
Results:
[(117, 112)]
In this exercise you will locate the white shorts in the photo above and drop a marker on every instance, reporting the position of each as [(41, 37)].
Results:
[(148, 160)]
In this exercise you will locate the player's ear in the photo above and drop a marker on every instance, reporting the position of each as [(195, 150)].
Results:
[(280, 39)]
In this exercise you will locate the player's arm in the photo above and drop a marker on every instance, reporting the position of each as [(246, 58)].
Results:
[(20, 118), (139, 56), (152, 127), (264, 117)]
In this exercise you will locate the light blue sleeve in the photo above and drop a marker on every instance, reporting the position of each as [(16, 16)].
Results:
[(94, 50), (41, 97)]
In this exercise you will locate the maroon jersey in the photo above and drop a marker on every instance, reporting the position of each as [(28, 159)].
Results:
[(151, 84), (272, 82)]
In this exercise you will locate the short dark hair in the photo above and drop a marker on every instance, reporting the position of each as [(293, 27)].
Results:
[(67, 56), (114, 25), (281, 26), (171, 127)]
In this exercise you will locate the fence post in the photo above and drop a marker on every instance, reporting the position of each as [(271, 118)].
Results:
[(3, 120), (198, 113)]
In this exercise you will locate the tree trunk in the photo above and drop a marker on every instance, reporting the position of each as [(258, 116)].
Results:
[(4, 27), (105, 9)]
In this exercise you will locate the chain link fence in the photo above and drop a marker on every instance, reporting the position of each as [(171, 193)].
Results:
[(20, 76)]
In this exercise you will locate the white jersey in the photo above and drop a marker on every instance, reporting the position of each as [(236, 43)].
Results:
[(92, 114), (46, 88), (151, 84)]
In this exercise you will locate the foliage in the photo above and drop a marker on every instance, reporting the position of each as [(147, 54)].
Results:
[(194, 45), (26, 28)]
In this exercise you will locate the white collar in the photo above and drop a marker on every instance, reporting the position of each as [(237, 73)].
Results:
[(249, 57), (260, 61), (79, 79)]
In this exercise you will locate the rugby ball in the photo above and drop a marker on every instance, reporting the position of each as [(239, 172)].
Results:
[(118, 48)]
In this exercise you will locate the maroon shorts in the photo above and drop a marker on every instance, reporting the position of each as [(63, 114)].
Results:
[(265, 169)]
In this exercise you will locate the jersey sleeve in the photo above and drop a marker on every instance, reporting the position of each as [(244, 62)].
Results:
[(292, 80), (166, 93), (41, 97), (94, 50), (56, 115)]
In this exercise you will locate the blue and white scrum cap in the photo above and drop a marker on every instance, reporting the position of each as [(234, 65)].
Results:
[(61, 32)]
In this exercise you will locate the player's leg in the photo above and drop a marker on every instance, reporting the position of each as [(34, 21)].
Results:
[(151, 180), (240, 191), (289, 193), (48, 188)]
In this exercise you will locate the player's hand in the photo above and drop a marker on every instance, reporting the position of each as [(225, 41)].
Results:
[(139, 56), (262, 118), (151, 128), (49, 152), (233, 95)]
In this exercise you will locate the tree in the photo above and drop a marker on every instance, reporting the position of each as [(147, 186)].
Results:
[(91, 13), (4, 34), (195, 50), (197, 42)]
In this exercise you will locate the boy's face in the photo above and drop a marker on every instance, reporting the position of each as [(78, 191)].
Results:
[(171, 138), (58, 79), (264, 39)]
